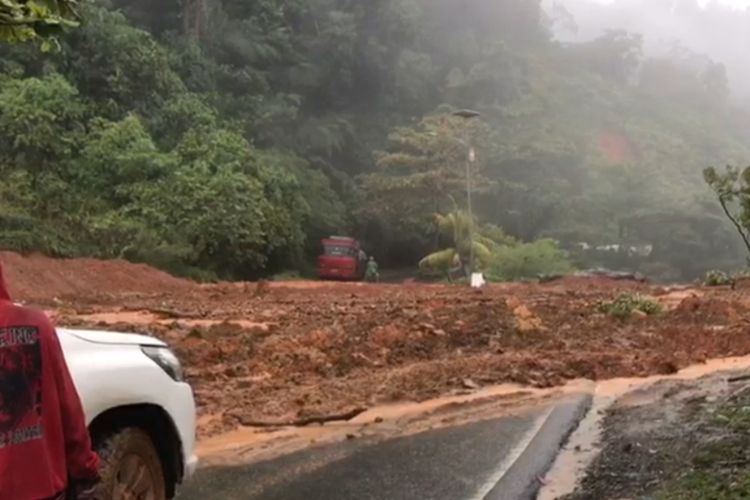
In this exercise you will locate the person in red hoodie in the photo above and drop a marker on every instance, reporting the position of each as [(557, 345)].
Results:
[(45, 448)]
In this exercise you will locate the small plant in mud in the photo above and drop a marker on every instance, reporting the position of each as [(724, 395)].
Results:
[(717, 278), (626, 304)]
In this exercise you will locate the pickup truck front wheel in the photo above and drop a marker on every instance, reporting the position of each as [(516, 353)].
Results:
[(130, 467)]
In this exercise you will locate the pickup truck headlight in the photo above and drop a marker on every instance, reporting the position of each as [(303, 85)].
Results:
[(166, 359)]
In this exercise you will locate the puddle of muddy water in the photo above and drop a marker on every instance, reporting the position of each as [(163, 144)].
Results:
[(582, 446)]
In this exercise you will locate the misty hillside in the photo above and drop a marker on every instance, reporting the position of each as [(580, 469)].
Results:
[(226, 137), (718, 31)]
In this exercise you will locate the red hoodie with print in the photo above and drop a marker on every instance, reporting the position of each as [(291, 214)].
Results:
[(43, 437)]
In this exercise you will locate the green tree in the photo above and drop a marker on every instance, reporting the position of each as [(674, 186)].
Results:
[(23, 20), (421, 174), (119, 67), (220, 215), (41, 125), (117, 158), (733, 191)]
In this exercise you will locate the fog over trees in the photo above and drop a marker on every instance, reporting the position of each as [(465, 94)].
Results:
[(225, 138)]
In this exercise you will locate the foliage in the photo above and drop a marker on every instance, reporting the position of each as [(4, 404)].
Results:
[(717, 278), (220, 216), (22, 20), (528, 260), (733, 191), (225, 138), (714, 466), (118, 67), (466, 239), (40, 123), (626, 304), (423, 172)]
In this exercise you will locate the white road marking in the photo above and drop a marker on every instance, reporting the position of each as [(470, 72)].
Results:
[(512, 457)]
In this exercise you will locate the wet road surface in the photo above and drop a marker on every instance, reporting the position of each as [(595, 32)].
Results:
[(495, 460)]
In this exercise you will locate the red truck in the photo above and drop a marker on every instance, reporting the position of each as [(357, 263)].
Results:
[(342, 259)]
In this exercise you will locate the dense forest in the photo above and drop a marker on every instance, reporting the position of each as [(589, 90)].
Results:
[(225, 138)]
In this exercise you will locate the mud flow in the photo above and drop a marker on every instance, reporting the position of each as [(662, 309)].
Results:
[(274, 354)]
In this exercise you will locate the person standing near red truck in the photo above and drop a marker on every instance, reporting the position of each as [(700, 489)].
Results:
[(372, 274), (45, 448)]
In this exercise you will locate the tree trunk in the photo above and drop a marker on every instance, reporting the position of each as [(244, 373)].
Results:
[(194, 18)]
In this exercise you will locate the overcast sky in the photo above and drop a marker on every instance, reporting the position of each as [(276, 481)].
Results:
[(734, 3), (720, 35)]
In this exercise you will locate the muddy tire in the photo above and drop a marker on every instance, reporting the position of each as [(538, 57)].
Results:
[(130, 467)]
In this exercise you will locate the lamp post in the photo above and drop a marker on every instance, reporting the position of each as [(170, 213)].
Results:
[(467, 115)]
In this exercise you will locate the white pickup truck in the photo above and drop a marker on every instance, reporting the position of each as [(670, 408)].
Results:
[(140, 411)]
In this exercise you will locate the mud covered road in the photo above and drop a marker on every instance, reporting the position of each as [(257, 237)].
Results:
[(268, 355), (287, 354)]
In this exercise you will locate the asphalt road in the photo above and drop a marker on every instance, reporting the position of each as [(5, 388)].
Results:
[(498, 459)]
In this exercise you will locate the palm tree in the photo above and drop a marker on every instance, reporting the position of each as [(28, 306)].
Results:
[(457, 226)]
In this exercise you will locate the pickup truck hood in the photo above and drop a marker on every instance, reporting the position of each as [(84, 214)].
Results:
[(112, 338)]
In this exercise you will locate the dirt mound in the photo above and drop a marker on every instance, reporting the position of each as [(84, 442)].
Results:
[(40, 279), (313, 349), (284, 352)]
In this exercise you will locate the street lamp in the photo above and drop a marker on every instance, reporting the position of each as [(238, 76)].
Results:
[(468, 114)]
